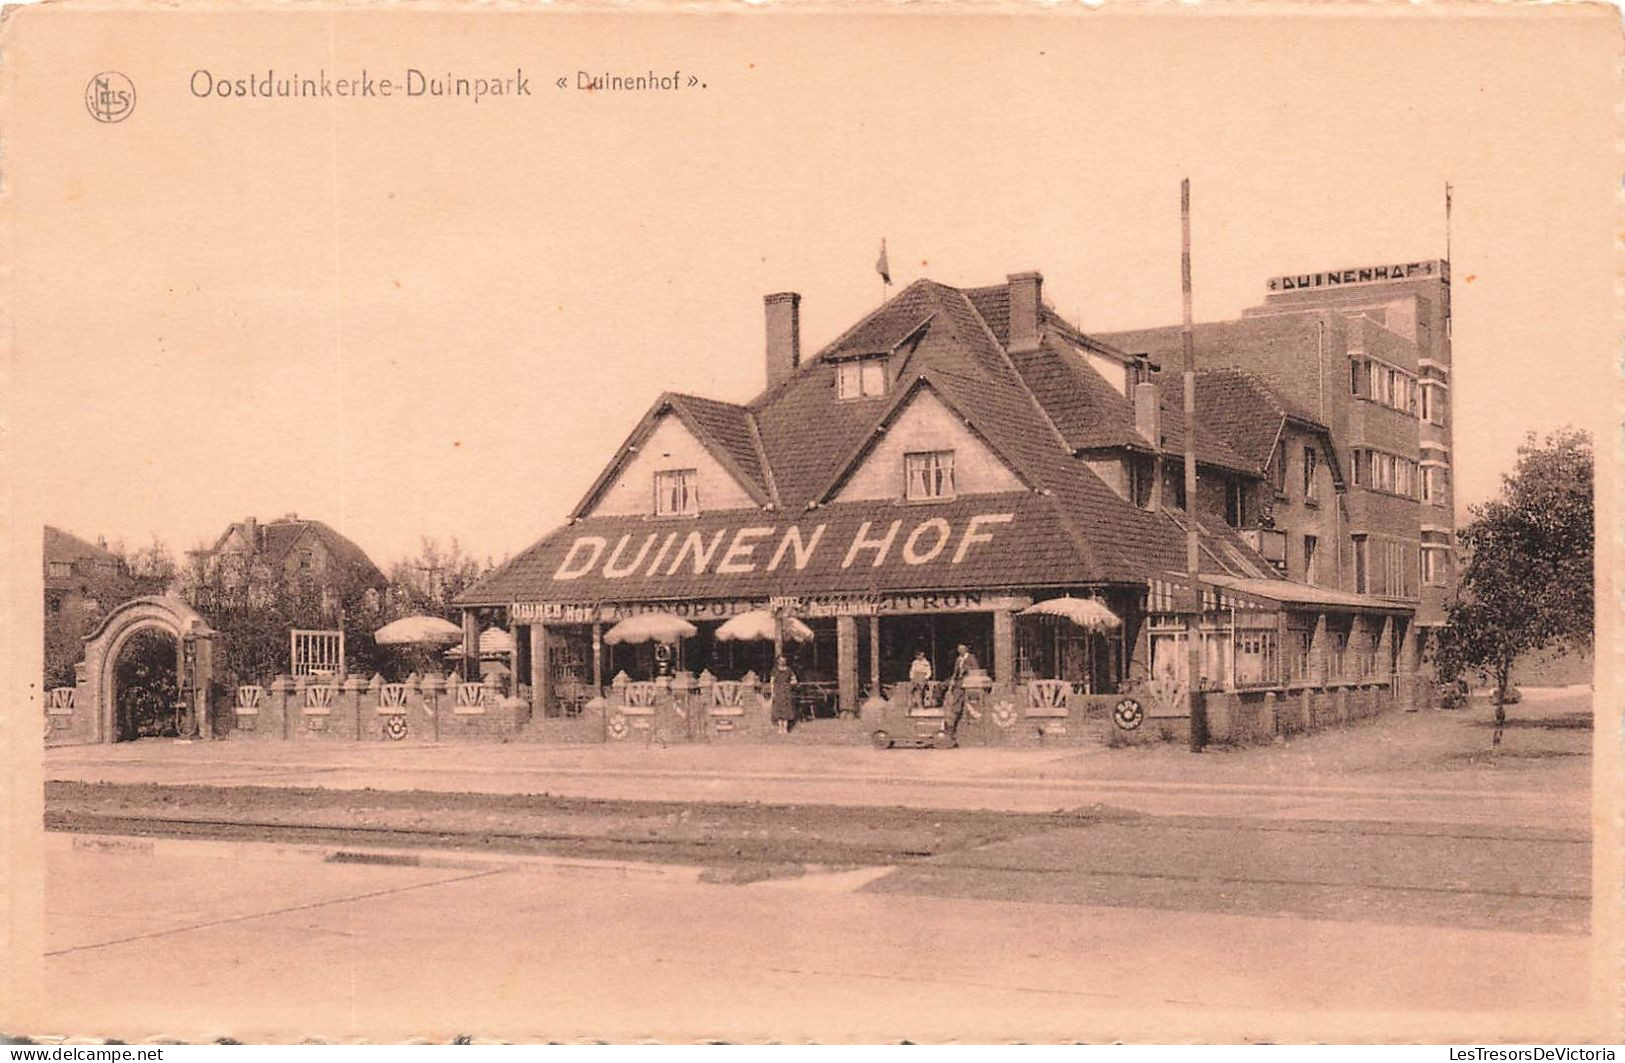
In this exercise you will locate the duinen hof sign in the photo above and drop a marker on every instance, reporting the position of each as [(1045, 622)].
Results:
[(1337, 278)]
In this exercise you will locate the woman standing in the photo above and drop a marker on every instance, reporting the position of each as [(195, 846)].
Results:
[(784, 709)]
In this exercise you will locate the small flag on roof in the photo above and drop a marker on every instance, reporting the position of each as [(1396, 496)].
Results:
[(881, 266)]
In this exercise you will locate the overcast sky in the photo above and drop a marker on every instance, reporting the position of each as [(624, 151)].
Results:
[(438, 318)]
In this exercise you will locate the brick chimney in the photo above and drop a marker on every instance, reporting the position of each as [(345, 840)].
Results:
[(1148, 412), (251, 532), (1026, 299), (783, 335)]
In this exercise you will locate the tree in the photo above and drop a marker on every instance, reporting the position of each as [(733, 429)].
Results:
[(428, 585), (1526, 580), (254, 607), (430, 582)]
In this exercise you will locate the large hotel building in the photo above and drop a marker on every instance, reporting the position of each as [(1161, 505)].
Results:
[(962, 455)]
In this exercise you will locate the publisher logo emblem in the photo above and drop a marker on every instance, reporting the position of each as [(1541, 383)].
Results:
[(110, 97)]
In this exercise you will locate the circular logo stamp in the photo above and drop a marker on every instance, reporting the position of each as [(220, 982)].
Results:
[(617, 727), (1128, 714), (110, 97), (395, 727)]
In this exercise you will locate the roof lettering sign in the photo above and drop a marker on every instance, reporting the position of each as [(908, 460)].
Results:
[(1340, 278), (764, 548)]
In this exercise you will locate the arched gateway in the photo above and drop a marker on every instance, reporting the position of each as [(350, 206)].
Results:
[(194, 660)]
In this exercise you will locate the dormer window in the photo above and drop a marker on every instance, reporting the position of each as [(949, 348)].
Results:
[(929, 475), (862, 378), (677, 493)]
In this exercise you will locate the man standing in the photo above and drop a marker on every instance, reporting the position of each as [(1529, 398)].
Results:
[(919, 677), (965, 663)]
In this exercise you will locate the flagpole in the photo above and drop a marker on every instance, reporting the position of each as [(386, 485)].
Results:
[(1447, 221)]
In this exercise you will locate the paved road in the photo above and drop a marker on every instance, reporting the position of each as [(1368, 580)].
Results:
[(1391, 867), (219, 938), (1417, 766)]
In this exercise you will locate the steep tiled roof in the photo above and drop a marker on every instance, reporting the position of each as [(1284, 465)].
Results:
[(1243, 409), (61, 546), (1034, 548), (1093, 415), (277, 539), (729, 426), (1088, 411), (1033, 409)]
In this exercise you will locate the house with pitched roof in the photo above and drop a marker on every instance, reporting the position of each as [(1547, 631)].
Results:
[(923, 481), (294, 549)]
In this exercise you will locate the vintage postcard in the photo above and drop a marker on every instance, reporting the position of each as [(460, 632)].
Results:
[(839, 523)]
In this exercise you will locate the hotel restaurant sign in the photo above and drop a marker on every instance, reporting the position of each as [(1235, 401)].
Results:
[(1341, 278), (635, 559)]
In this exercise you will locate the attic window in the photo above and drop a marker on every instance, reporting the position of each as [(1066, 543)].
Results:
[(677, 492), (862, 378), (929, 475)]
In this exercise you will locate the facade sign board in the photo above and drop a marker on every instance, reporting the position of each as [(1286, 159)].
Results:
[(609, 612), (807, 607), (1342, 278)]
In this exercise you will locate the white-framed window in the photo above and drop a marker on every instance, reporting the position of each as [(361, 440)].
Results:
[(1362, 566), (1399, 574), (1435, 484), (864, 378), (677, 492), (1434, 402), (60, 569), (1435, 565), (1311, 546), (1311, 462), (928, 474), (1394, 388)]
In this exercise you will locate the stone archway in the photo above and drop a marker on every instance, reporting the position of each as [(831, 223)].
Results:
[(194, 665)]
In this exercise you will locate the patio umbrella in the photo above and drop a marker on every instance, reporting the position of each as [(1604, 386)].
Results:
[(418, 631), (758, 624), (647, 627), (1087, 613)]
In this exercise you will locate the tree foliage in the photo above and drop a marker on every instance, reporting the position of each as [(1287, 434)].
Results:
[(254, 607), (148, 570), (1526, 580)]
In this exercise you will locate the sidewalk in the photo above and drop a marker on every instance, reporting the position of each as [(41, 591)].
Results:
[(1401, 766)]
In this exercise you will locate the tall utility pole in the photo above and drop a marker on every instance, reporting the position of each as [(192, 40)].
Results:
[(1193, 545)]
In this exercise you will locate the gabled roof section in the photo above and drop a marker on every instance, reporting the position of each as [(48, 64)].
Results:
[(1242, 408), (936, 382), (726, 430), (60, 546), (276, 540), (1034, 547), (1093, 415)]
